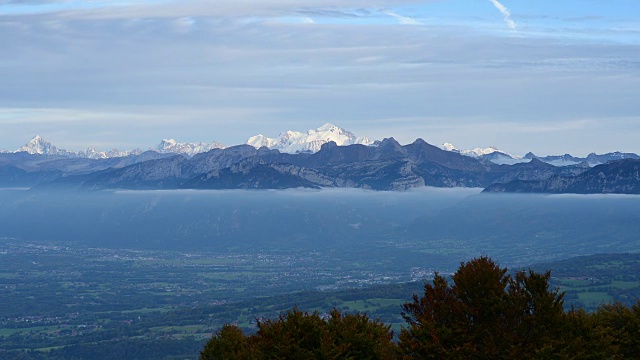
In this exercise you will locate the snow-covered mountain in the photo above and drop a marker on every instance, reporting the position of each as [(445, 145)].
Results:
[(491, 153), (38, 145), (190, 149), (95, 154), (503, 158), (477, 152), (296, 142), (288, 142), (310, 142)]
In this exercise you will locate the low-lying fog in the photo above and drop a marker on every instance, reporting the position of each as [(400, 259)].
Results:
[(441, 225)]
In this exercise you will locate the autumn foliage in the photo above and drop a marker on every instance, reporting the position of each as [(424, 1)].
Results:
[(482, 313)]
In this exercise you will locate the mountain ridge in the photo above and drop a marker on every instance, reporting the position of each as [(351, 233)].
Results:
[(312, 160), (294, 142), (615, 177), (287, 142), (387, 166)]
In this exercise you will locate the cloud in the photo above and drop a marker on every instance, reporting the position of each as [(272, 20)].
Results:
[(403, 19), (148, 72), (505, 13), (184, 25), (195, 8)]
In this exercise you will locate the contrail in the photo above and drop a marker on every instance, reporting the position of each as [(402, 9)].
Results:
[(505, 13)]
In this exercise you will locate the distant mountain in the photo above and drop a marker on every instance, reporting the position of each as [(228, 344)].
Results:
[(38, 145), (171, 146), (288, 142), (490, 154), (501, 157), (605, 158), (21, 169), (615, 177), (477, 152), (114, 153), (311, 160), (556, 160), (537, 170), (592, 159), (387, 166), (296, 142)]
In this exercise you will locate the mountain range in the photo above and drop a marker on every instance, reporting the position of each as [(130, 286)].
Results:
[(294, 142), (615, 177), (325, 157), (287, 142), (497, 156)]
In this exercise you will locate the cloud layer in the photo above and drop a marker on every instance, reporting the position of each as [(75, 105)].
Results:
[(134, 73)]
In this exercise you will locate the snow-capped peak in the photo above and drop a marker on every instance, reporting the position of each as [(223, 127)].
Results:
[(482, 151), (491, 153), (449, 147), (168, 142), (190, 149), (477, 152), (312, 141), (328, 127), (260, 140), (38, 145)]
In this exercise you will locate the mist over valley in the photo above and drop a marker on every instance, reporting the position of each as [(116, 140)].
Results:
[(445, 226)]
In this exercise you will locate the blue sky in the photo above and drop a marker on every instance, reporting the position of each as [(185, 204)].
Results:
[(543, 76)]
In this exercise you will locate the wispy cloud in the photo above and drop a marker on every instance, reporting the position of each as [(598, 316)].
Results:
[(505, 13), (192, 8), (404, 20)]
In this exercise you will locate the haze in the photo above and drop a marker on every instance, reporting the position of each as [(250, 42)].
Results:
[(437, 227)]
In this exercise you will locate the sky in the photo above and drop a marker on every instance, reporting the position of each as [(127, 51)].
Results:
[(551, 77)]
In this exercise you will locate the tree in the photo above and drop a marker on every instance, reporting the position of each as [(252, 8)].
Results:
[(294, 335), (619, 326), (228, 343), (537, 314), (302, 335), (485, 314), (355, 336), (436, 322)]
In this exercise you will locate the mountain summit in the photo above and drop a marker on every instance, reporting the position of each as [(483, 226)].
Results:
[(40, 146), (296, 142)]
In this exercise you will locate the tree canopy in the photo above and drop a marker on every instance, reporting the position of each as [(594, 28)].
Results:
[(483, 312)]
